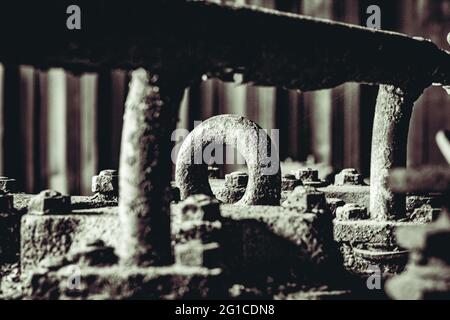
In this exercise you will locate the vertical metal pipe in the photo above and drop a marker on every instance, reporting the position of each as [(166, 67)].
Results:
[(389, 142), (151, 112)]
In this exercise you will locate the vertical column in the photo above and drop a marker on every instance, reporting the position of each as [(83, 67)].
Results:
[(13, 136), (151, 112), (88, 129), (390, 135), (73, 133), (57, 129), (119, 92)]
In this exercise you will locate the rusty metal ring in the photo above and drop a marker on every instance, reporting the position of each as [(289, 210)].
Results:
[(245, 135)]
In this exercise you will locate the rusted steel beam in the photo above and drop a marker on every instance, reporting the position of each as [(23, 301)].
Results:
[(201, 37)]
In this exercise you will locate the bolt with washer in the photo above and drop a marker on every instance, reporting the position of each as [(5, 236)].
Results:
[(309, 177), (348, 177)]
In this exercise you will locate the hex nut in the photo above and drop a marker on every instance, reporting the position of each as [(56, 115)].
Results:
[(414, 202), (49, 202), (106, 182), (425, 213), (200, 207), (306, 199), (351, 211), (236, 179), (289, 182), (348, 177), (307, 175)]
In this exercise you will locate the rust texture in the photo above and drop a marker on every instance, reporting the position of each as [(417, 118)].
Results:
[(390, 136), (253, 143), (218, 40), (145, 169)]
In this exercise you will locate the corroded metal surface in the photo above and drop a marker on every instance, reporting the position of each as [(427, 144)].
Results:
[(390, 136), (145, 170), (216, 39), (253, 143)]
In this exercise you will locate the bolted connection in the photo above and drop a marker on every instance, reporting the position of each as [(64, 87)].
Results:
[(348, 177), (305, 199), (351, 211), (289, 182), (49, 202)]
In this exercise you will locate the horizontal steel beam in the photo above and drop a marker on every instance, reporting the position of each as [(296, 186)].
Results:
[(192, 38)]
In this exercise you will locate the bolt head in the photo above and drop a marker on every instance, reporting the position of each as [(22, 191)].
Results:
[(200, 207), (414, 202), (289, 182), (307, 175), (306, 199), (351, 211), (49, 202), (107, 182), (425, 213), (348, 177), (236, 179)]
